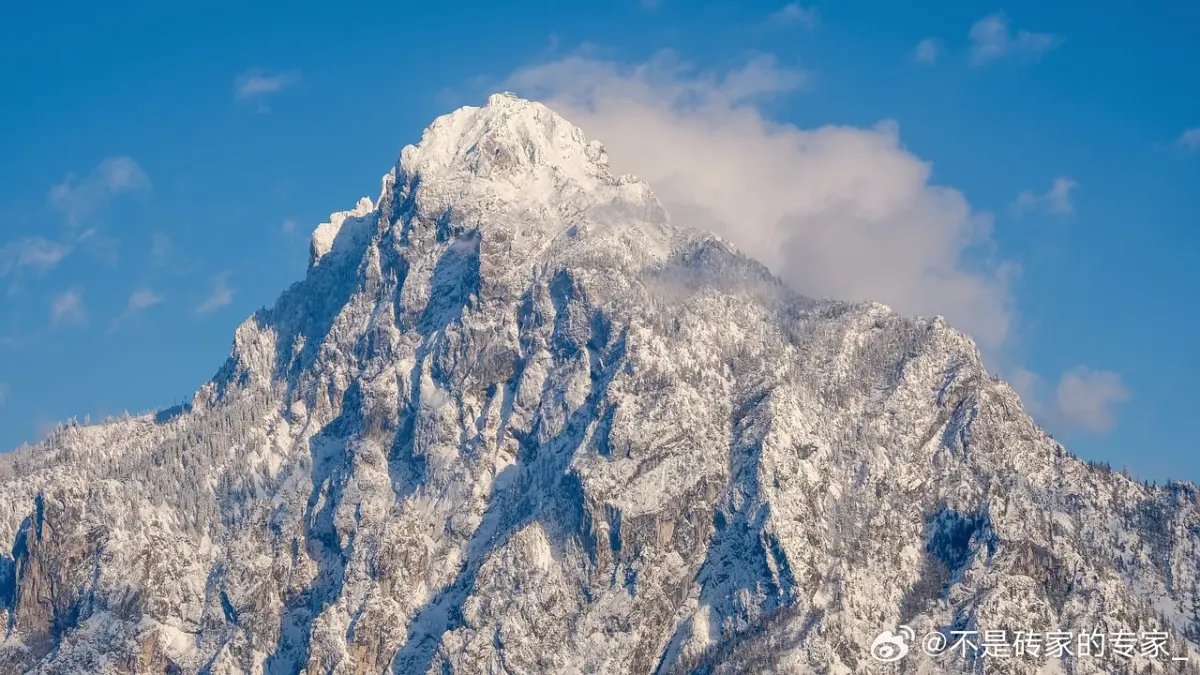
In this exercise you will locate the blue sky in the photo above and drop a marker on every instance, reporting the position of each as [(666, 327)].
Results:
[(161, 168)]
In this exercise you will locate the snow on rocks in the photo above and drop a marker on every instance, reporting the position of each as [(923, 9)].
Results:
[(515, 420)]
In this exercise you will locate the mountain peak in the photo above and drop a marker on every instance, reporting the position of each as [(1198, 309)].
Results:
[(508, 136), (512, 416), (509, 155)]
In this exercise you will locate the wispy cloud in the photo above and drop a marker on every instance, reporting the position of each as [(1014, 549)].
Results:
[(220, 296), (33, 253), (103, 249), (1189, 141), (1085, 399), (160, 249), (289, 226), (1055, 201), (795, 14), (835, 211), (67, 308), (927, 51), (139, 300), (257, 84), (77, 199), (992, 38), (143, 298)]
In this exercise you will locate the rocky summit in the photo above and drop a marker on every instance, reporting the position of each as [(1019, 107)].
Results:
[(515, 420)]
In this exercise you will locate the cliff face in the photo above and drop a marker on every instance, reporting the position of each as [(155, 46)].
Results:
[(515, 421)]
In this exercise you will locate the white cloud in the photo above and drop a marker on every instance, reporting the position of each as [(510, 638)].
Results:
[(927, 51), (257, 83), (113, 176), (1189, 141), (104, 249), (992, 39), (1085, 398), (143, 298), (4, 390), (139, 300), (34, 253), (1057, 200), (220, 296), (1026, 383), (795, 14), (160, 249), (67, 308), (836, 211)]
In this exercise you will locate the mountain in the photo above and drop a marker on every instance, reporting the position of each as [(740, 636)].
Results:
[(516, 420)]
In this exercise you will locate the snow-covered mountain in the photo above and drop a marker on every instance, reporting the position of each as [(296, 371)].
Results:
[(516, 420)]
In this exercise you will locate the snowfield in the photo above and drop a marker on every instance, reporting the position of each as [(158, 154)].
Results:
[(516, 420)]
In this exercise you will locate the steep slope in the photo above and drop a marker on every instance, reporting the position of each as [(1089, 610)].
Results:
[(514, 420)]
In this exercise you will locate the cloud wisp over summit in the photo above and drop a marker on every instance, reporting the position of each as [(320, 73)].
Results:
[(837, 211)]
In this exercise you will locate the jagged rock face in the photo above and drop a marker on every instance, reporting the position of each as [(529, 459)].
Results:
[(515, 421)]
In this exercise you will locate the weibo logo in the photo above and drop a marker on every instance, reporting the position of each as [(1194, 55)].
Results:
[(890, 647)]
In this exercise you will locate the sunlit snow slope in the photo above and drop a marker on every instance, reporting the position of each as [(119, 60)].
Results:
[(516, 420)]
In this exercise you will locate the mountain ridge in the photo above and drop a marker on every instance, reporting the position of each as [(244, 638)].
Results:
[(515, 420)]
